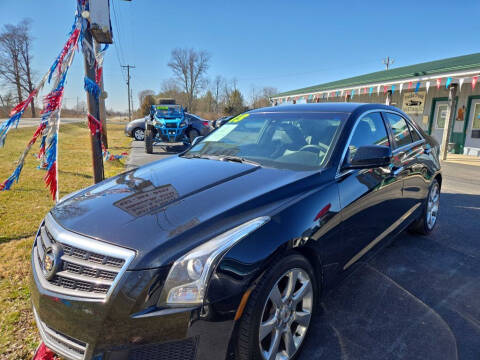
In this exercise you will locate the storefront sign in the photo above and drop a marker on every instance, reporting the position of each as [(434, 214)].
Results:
[(414, 103)]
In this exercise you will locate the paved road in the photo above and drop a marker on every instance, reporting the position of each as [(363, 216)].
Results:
[(416, 298), (26, 122)]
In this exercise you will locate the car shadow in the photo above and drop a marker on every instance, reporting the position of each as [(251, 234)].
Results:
[(168, 149), (417, 298)]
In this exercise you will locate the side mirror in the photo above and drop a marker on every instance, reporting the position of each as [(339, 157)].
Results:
[(371, 156), (197, 140)]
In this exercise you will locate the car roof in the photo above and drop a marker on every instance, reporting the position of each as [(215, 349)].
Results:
[(345, 107)]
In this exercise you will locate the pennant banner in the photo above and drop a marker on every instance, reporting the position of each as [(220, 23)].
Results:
[(50, 120)]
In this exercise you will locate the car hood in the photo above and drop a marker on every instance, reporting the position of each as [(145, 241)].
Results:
[(167, 207)]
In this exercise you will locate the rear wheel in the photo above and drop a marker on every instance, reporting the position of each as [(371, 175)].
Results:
[(427, 221), (149, 140), (278, 314), (193, 134)]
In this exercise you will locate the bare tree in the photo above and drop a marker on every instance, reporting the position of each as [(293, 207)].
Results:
[(10, 69), (26, 57), (218, 84), (189, 67), (144, 93)]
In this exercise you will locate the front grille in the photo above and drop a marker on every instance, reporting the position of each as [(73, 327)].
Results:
[(63, 345), (171, 125), (88, 268), (175, 350)]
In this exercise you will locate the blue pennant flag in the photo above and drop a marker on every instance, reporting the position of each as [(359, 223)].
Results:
[(449, 81), (417, 87)]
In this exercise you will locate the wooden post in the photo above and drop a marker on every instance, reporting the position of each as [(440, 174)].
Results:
[(447, 129), (388, 100), (94, 109), (102, 109)]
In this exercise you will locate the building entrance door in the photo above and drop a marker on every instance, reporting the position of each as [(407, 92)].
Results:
[(472, 133), (438, 125)]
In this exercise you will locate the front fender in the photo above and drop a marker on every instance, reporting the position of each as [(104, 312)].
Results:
[(310, 226)]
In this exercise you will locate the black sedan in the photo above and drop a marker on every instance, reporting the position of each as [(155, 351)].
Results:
[(197, 127), (224, 250)]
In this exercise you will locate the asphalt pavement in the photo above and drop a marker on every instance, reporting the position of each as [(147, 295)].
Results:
[(415, 298), (26, 122)]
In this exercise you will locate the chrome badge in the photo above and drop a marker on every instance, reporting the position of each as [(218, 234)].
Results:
[(52, 261)]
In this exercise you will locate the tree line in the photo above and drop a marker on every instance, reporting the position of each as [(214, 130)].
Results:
[(209, 97)]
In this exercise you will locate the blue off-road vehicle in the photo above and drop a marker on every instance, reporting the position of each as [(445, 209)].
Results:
[(166, 124)]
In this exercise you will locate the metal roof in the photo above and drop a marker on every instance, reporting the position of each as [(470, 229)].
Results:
[(452, 65)]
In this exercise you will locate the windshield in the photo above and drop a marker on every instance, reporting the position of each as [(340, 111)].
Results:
[(284, 140), (168, 111)]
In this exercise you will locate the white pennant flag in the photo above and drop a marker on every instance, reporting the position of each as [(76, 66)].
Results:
[(401, 88), (460, 82), (378, 90), (427, 85)]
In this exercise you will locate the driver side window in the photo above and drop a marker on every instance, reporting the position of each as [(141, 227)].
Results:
[(370, 130)]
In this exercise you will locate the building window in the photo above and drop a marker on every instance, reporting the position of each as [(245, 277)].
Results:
[(441, 116), (476, 118)]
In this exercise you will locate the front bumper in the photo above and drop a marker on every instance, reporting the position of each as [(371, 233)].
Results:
[(127, 325), (170, 134), (79, 330)]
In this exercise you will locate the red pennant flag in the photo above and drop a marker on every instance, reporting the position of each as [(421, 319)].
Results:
[(474, 81), (385, 88), (410, 85), (439, 82)]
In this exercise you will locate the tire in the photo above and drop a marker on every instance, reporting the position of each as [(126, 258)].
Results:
[(138, 134), (425, 224), (192, 134), (278, 321), (149, 140)]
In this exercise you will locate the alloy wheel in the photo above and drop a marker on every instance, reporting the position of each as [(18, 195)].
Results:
[(286, 315), (139, 134), (433, 205)]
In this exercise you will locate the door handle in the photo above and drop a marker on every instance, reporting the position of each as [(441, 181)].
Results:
[(396, 170)]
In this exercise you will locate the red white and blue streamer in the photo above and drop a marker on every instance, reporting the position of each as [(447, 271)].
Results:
[(50, 121)]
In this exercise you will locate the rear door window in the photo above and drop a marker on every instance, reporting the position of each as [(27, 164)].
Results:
[(414, 133), (400, 130), (370, 130)]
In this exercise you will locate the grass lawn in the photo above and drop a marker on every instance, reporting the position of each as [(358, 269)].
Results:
[(21, 211)]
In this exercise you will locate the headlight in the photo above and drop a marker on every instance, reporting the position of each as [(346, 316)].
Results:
[(183, 124), (188, 278)]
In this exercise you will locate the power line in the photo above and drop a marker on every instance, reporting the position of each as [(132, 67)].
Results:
[(118, 47)]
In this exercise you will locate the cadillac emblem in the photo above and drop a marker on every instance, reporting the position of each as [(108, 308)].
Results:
[(52, 260)]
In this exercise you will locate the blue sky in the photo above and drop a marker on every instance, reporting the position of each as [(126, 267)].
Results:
[(282, 44)]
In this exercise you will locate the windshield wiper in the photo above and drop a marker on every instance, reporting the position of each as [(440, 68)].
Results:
[(238, 159), (222, 158)]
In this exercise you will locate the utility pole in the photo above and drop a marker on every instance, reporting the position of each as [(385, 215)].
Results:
[(94, 109), (388, 61), (102, 109), (128, 67), (447, 129)]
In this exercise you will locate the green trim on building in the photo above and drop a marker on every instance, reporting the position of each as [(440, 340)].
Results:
[(458, 63)]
